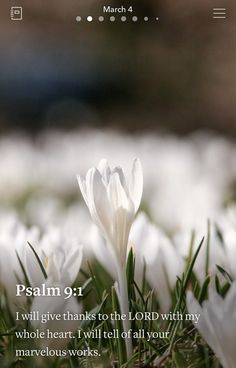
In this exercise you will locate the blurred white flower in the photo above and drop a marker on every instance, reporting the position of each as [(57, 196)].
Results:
[(55, 305), (61, 258), (42, 210), (76, 224), (155, 254), (101, 252), (227, 227), (230, 251), (113, 201), (217, 323), (13, 244), (231, 212), (216, 256)]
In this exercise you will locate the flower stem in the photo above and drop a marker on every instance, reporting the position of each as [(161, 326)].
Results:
[(124, 307)]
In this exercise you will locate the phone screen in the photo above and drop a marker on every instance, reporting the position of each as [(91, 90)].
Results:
[(117, 184)]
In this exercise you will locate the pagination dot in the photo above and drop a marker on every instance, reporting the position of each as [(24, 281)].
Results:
[(146, 19), (78, 18), (134, 18), (101, 18), (112, 18), (89, 18), (123, 18)]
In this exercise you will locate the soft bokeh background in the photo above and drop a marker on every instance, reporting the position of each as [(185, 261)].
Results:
[(72, 93), (175, 75)]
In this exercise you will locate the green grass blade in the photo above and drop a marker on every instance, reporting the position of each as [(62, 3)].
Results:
[(39, 261)]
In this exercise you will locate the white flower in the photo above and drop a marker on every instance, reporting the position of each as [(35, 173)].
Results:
[(113, 201), (154, 250), (230, 250), (227, 226), (55, 305), (13, 244), (61, 258), (217, 323), (217, 256)]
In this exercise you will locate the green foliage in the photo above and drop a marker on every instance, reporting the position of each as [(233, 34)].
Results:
[(183, 347)]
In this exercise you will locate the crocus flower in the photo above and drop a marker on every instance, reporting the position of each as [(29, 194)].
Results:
[(13, 243), (55, 305), (113, 200), (217, 323), (154, 250), (227, 226), (60, 256)]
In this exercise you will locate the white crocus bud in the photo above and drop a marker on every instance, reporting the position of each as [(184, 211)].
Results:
[(217, 323), (113, 200)]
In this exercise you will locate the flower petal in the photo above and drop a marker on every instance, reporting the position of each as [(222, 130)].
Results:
[(82, 185), (100, 205), (105, 170), (136, 183), (122, 221), (116, 193), (72, 265)]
